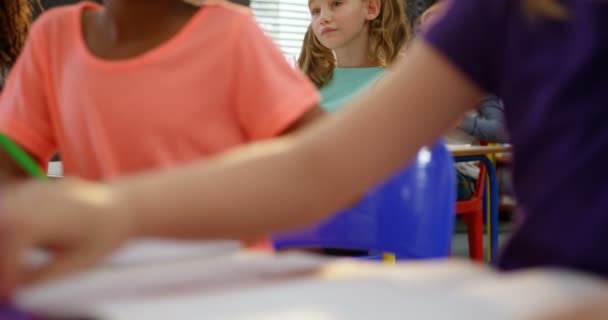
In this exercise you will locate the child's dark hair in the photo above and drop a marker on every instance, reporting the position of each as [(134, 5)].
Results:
[(15, 19)]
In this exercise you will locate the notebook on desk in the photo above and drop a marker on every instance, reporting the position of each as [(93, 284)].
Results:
[(349, 290), (153, 251), (147, 251), (136, 254), (130, 280)]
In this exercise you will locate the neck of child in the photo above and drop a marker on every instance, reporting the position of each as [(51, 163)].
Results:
[(355, 53), (134, 18)]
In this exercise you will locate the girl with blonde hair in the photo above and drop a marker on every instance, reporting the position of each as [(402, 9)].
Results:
[(349, 43)]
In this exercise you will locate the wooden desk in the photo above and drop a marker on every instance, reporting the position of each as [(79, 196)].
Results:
[(467, 150)]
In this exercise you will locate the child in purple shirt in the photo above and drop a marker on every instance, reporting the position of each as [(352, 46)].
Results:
[(551, 72)]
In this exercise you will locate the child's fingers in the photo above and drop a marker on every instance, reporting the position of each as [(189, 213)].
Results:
[(13, 245), (63, 263), (596, 309)]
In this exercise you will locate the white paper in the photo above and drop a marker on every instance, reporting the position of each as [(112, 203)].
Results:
[(250, 286), (151, 251), (206, 274), (397, 294)]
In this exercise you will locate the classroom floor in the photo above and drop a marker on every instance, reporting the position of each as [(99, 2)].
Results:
[(460, 245)]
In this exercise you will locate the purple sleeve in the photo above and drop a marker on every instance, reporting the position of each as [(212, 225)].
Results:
[(469, 35)]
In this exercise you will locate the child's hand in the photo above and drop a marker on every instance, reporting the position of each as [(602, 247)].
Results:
[(77, 222), (10, 171), (596, 309)]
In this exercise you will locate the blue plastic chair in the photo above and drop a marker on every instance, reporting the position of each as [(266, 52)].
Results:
[(410, 216)]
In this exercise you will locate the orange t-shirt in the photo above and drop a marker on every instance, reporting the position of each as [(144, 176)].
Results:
[(218, 83)]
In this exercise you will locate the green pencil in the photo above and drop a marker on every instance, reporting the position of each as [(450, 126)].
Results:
[(22, 158)]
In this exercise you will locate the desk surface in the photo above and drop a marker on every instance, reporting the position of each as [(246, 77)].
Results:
[(241, 285), (468, 150)]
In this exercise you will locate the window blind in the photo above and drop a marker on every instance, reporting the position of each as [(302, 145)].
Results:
[(285, 21)]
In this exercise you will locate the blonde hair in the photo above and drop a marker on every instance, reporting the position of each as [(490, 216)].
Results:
[(545, 8), (388, 33)]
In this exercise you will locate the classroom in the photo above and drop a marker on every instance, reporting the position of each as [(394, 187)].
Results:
[(303, 159)]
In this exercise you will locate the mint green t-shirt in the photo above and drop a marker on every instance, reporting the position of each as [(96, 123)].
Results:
[(346, 84)]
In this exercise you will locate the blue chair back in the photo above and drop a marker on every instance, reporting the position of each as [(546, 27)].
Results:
[(411, 215)]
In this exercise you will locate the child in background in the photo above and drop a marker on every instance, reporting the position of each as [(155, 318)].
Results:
[(349, 43), (15, 19), (346, 49), (485, 123), (160, 83), (300, 179)]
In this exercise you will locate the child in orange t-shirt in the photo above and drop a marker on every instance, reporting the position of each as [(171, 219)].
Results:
[(137, 86)]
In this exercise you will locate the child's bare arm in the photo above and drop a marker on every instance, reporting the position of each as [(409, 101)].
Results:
[(302, 178), (262, 188), (308, 118)]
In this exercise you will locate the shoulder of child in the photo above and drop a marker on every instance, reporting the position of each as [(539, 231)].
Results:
[(56, 18), (232, 7)]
